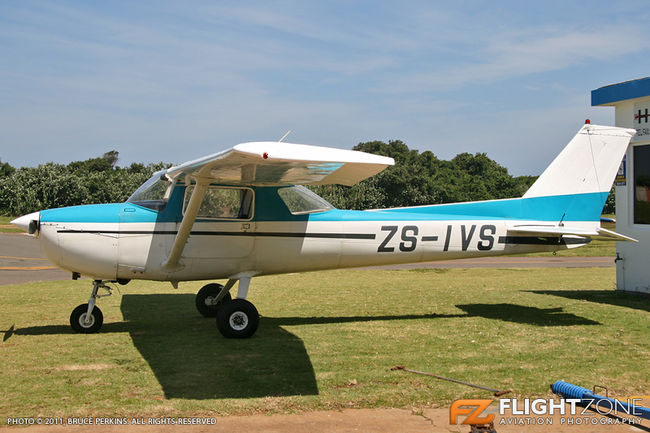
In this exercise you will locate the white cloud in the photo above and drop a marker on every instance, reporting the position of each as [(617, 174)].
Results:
[(520, 53), (170, 82)]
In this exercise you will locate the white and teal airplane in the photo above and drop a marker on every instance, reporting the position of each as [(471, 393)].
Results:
[(238, 214)]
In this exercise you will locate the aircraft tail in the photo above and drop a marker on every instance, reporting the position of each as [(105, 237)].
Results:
[(578, 181), (567, 199)]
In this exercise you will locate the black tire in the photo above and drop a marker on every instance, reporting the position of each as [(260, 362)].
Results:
[(77, 319), (238, 319), (203, 299)]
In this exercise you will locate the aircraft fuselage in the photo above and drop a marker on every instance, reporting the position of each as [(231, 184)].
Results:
[(129, 241)]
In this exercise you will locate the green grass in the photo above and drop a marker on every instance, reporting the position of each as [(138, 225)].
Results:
[(326, 340), (5, 221)]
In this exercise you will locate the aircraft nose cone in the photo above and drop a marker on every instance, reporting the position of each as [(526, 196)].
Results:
[(28, 222)]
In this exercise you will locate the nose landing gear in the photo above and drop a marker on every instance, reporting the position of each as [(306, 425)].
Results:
[(88, 318)]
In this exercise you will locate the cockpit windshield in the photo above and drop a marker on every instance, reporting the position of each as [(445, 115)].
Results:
[(154, 193), (300, 200)]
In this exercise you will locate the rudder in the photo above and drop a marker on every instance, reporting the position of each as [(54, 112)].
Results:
[(586, 167)]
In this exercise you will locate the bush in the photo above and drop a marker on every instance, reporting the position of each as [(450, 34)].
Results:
[(97, 180)]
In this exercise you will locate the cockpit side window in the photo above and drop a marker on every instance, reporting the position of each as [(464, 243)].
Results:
[(154, 193), (223, 203)]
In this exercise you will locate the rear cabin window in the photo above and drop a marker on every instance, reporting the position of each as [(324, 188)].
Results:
[(223, 203), (301, 201)]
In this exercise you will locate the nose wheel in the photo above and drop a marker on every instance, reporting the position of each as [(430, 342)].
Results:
[(88, 318), (85, 323)]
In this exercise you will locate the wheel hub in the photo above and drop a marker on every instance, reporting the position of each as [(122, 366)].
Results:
[(86, 321), (238, 320)]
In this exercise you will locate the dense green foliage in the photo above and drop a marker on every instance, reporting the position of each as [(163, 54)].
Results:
[(6, 169), (96, 180), (610, 204), (421, 178), (416, 179)]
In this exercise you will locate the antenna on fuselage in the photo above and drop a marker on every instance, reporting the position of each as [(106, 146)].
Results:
[(284, 136)]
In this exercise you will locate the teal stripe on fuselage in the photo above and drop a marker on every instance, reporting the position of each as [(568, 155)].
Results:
[(118, 212), (572, 207), (101, 213), (578, 207)]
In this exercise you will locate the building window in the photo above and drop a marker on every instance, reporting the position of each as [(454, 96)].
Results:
[(642, 184)]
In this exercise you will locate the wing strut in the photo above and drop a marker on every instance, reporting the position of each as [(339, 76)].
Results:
[(188, 221)]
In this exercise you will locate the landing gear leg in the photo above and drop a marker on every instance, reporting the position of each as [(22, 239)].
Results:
[(238, 318), (88, 318)]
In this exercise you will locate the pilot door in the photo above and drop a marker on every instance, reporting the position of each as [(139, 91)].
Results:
[(224, 227)]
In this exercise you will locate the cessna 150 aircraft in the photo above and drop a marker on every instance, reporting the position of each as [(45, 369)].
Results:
[(238, 214)]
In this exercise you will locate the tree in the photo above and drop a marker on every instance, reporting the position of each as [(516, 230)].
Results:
[(415, 179), (610, 204), (96, 180), (111, 157), (5, 169), (422, 178), (102, 164)]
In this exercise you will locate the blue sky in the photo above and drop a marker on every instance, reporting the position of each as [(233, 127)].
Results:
[(174, 81)]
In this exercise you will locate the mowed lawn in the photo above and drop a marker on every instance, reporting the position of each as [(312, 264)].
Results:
[(326, 340), (6, 227)]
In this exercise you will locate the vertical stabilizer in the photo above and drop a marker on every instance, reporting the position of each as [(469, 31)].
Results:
[(588, 164)]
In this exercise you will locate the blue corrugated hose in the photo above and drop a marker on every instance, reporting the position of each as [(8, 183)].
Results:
[(568, 390)]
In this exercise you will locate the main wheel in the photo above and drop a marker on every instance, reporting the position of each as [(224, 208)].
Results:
[(80, 324), (237, 319), (205, 299)]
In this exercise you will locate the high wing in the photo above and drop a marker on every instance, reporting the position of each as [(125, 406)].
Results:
[(277, 163), (269, 164)]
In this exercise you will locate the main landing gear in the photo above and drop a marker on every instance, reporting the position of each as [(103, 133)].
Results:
[(236, 318), (88, 318)]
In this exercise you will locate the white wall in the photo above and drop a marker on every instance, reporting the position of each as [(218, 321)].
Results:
[(633, 272)]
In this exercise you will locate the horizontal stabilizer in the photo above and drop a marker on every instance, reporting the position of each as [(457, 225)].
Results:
[(276, 164), (610, 235), (545, 231)]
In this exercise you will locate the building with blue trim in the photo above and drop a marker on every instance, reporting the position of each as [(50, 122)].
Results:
[(631, 100)]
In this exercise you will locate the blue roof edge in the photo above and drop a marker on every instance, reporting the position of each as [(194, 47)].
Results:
[(620, 92)]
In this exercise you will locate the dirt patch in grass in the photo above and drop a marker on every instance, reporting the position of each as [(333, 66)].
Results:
[(84, 367)]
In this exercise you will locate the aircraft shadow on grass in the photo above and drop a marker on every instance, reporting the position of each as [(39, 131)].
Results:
[(191, 360), (610, 297), (526, 315)]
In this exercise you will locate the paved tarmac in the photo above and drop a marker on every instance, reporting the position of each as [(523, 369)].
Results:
[(22, 261)]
